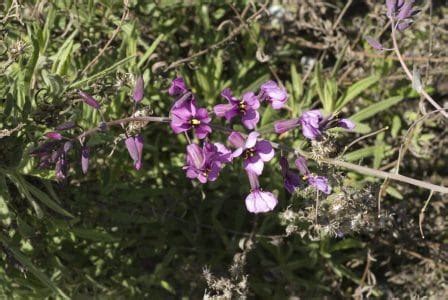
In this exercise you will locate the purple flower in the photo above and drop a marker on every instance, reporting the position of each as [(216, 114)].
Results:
[(290, 179), (85, 155), (138, 89), (185, 116), (302, 166), (65, 126), (205, 163), (259, 201), (402, 10), (286, 125), (177, 87), (61, 168), (273, 94), (374, 43), (135, 149), (255, 153), (139, 144), (311, 124), (246, 108), (318, 182), (346, 124), (89, 100), (54, 136)]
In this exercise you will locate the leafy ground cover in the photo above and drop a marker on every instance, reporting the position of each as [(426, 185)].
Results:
[(117, 232)]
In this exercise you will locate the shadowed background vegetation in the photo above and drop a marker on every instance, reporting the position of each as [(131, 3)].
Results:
[(120, 233)]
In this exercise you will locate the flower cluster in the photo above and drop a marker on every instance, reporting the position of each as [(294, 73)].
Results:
[(204, 162), (53, 151), (402, 12), (205, 158)]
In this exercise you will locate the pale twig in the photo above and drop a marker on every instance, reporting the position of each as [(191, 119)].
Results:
[(421, 216), (232, 35), (114, 34), (409, 73), (330, 161)]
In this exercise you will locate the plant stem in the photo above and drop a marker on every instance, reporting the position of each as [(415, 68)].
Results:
[(409, 74), (330, 161)]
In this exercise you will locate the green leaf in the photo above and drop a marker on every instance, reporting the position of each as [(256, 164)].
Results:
[(378, 154), (61, 58), (355, 90), (43, 197), (5, 198), (360, 154), (394, 192), (297, 84), (150, 50), (375, 108), (94, 235), (347, 243), (100, 74), (26, 262), (31, 65)]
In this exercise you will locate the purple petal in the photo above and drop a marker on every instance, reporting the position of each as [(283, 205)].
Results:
[(191, 172), (302, 165), (250, 118), (404, 24), (284, 165), (260, 202), (254, 164), (139, 144), (310, 132), (213, 173), (227, 94), (374, 43), (54, 135), (179, 124), (405, 10), (231, 113), (253, 180), (275, 94), (177, 87), (237, 153), (320, 183), (391, 7), (251, 100), (346, 124), (68, 146), (291, 181), (265, 150), (89, 100), (251, 139), (236, 139), (285, 125), (221, 109), (202, 115), (202, 131), (132, 148), (65, 126), (138, 89), (85, 155), (195, 156)]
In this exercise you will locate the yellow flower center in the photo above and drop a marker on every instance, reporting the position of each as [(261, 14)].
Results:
[(195, 122)]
